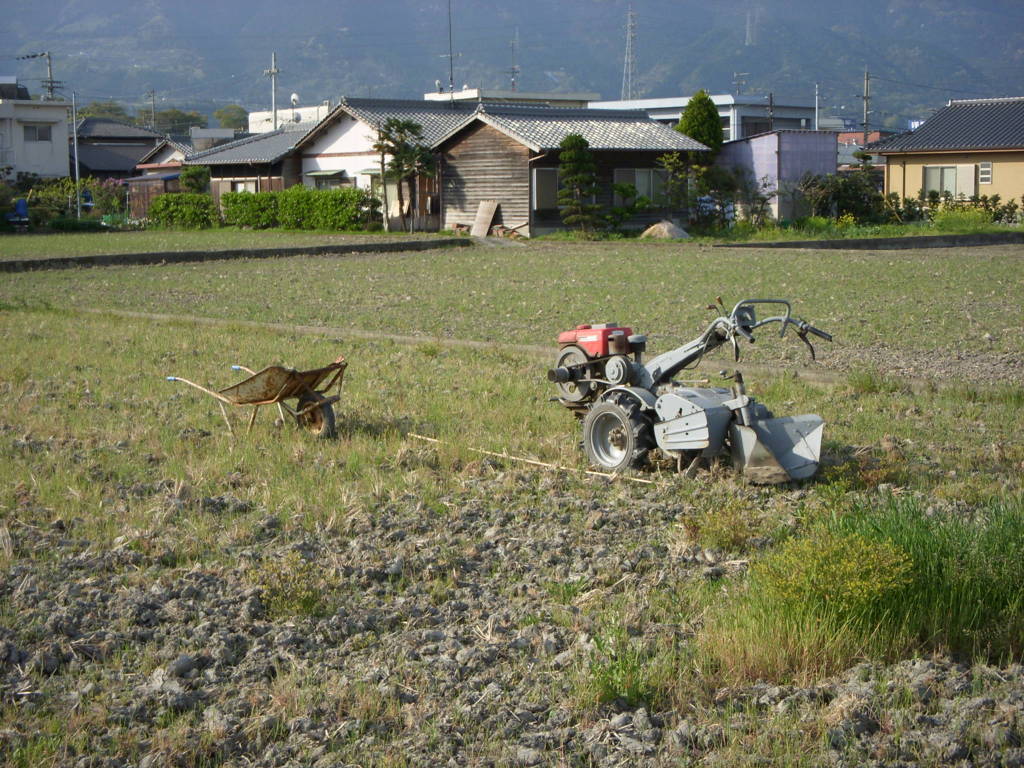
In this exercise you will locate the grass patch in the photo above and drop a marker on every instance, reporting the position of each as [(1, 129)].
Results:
[(530, 296), (878, 582)]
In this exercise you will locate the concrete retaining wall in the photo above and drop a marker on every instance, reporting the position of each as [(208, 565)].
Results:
[(180, 257)]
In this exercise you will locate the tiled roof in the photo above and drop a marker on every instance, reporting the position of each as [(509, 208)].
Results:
[(260, 148), (110, 158), (536, 125), (435, 118), (969, 124), (543, 128), (105, 128)]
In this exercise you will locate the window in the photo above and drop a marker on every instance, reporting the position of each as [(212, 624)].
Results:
[(37, 133), (545, 189), (984, 173), (649, 183), (243, 186), (331, 182), (940, 178)]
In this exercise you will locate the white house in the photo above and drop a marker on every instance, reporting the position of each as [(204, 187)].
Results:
[(33, 134), (741, 116), (338, 152)]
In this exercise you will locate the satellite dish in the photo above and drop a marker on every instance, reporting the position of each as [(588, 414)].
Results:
[(295, 99)]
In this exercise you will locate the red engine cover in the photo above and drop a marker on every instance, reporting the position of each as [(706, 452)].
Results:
[(598, 340)]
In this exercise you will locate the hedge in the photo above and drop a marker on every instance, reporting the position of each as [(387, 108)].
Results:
[(250, 210), (186, 210), (299, 207)]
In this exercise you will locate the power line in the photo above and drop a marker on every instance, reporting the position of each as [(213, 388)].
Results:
[(928, 87)]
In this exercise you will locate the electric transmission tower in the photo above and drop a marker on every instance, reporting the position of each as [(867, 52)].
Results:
[(629, 65), (514, 71)]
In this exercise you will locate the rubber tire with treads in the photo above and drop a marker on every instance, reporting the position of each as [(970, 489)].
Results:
[(319, 421), (617, 436)]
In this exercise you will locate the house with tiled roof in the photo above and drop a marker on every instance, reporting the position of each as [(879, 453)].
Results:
[(487, 151), (338, 152), (110, 149), (265, 162), (509, 153), (969, 147)]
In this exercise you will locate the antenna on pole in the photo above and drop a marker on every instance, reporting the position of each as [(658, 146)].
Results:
[(451, 54), (49, 83), (867, 102), (514, 72), (815, 106), (739, 79), (629, 64), (272, 73)]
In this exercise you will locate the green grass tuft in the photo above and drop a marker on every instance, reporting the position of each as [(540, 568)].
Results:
[(878, 582)]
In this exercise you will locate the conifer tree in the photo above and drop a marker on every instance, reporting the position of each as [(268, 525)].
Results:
[(577, 174), (700, 121)]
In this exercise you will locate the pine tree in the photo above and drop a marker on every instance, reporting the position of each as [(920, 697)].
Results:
[(577, 173), (700, 121)]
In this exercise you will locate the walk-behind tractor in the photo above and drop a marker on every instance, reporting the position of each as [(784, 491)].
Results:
[(629, 407)]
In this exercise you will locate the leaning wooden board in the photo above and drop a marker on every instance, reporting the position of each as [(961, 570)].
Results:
[(484, 215)]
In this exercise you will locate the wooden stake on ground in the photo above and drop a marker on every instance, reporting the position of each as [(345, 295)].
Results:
[(544, 464)]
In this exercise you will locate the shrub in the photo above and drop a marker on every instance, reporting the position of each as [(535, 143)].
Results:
[(814, 224), (292, 586), (69, 224), (956, 220), (299, 207), (185, 210), (246, 209), (849, 573), (195, 179)]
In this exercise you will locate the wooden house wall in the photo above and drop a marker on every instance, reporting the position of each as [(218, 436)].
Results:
[(606, 162), (485, 164), (142, 192)]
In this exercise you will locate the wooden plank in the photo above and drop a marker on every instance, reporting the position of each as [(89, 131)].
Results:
[(484, 214)]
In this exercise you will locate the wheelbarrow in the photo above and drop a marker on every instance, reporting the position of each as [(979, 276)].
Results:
[(313, 409)]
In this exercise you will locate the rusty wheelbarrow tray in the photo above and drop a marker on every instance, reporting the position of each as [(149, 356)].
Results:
[(275, 384)]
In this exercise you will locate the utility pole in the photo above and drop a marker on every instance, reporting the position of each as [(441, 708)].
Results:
[(629, 64), (867, 101), (771, 110), (272, 73), (49, 83), (74, 128), (815, 106), (151, 95)]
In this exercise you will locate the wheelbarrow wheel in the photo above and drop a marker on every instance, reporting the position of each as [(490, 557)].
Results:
[(317, 421)]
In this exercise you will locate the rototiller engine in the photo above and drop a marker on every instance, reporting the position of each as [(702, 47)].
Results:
[(629, 407)]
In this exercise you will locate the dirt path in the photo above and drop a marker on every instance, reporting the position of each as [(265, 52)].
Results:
[(916, 368)]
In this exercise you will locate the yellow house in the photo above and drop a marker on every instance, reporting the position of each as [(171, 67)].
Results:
[(969, 147)]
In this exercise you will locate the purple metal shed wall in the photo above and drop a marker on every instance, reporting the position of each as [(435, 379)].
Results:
[(803, 152)]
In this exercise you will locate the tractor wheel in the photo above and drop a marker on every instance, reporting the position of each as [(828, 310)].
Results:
[(617, 436), (318, 421), (573, 391)]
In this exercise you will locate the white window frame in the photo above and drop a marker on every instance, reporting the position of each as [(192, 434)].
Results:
[(32, 131), (984, 173), (943, 170)]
